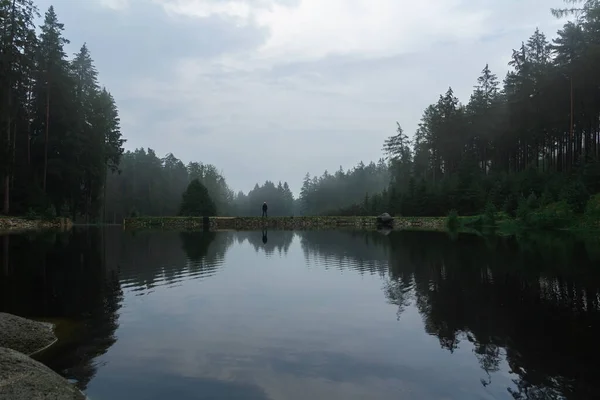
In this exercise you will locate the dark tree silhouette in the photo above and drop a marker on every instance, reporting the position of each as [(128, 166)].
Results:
[(196, 201)]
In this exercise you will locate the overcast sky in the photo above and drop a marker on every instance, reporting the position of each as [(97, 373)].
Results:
[(272, 89)]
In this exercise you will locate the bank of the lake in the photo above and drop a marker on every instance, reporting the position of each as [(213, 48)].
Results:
[(22, 224), (293, 223), (22, 377)]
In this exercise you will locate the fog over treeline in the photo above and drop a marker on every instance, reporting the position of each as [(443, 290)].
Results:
[(535, 136)]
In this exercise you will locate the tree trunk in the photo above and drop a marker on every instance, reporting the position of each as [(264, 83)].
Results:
[(46, 135), (6, 202)]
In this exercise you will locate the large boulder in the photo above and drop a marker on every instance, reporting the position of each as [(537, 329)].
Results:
[(23, 378), (25, 335), (385, 219)]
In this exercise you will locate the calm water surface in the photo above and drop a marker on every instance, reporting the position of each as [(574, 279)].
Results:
[(312, 315)]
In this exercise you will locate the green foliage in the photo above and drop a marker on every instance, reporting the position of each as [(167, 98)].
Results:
[(523, 211), (489, 215), (511, 204), (65, 210), (343, 193), (509, 140), (452, 221), (196, 202), (532, 201), (592, 211), (64, 131), (546, 198), (50, 212), (553, 216), (31, 214), (576, 195)]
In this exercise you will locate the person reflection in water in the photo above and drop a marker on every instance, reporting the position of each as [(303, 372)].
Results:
[(264, 233), (264, 209)]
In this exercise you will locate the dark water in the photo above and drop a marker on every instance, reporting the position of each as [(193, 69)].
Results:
[(313, 315)]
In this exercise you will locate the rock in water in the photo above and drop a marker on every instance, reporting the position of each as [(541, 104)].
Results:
[(23, 378), (24, 335), (385, 219)]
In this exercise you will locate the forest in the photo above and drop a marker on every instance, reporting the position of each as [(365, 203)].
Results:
[(530, 142), (531, 139)]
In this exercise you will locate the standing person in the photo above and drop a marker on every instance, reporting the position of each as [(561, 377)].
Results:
[(264, 209)]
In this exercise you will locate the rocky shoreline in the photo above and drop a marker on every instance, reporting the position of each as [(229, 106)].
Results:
[(22, 377), (20, 224), (292, 223)]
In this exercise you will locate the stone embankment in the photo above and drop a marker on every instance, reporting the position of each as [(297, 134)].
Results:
[(16, 224), (22, 377), (291, 223)]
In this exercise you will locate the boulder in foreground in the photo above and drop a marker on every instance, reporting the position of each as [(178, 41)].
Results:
[(24, 335), (23, 378)]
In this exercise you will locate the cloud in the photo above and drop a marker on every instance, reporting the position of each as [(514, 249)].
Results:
[(268, 89)]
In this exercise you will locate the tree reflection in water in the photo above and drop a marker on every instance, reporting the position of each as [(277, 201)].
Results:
[(531, 301)]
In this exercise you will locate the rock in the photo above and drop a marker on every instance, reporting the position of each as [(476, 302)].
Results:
[(385, 218), (24, 335), (23, 378)]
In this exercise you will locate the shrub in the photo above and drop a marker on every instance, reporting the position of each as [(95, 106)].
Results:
[(452, 221), (576, 195), (532, 201), (555, 215), (523, 211), (49, 212), (592, 211), (489, 214), (511, 204)]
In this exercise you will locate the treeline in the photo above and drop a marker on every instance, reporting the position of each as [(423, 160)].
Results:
[(331, 192), (149, 185), (59, 130), (279, 198), (536, 137)]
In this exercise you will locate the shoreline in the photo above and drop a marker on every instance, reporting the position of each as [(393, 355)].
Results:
[(21, 224), (287, 223)]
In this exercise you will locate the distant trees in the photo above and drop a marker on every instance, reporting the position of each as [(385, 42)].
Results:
[(332, 192), (196, 201), (279, 198), (152, 186), (59, 130)]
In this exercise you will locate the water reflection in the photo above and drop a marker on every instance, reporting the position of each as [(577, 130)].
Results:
[(71, 278), (531, 302), (337, 314), (365, 252), (279, 241)]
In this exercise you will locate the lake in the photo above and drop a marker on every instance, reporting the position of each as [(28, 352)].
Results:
[(312, 314)]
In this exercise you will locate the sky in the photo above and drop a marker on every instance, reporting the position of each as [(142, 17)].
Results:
[(273, 89)]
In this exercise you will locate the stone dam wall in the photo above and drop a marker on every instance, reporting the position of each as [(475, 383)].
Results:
[(288, 223), (17, 224)]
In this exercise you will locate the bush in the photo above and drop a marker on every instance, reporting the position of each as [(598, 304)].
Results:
[(489, 214), (546, 198), (65, 210), (31, 214), (523, 211), (576, 195), (49, 212), (592, 211), (452, 221), (555, 215), (532, 201), (511, 204)]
